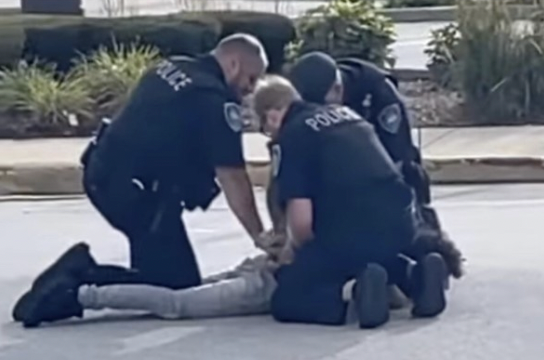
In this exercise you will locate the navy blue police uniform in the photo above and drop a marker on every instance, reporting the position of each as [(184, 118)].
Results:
[(157, 158), (372, 93), (362, 209)]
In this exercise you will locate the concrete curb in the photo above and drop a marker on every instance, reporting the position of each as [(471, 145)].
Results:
[(65, 179), (448, 13), (485, 170), (410, 75), (51, 179), (420, 14)]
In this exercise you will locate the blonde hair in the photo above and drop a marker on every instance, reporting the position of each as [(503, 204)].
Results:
[(272, 92)]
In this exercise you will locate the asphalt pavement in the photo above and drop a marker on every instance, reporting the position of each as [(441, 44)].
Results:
[(494, 313)]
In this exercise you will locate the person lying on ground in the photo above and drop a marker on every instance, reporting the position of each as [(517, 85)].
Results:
[(243, 290)]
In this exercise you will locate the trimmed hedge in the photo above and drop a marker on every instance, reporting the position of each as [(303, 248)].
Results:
[(12, 33), (65, 7), (60, 39), (170, 34)]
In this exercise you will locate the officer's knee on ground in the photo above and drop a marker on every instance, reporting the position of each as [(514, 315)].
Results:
[(288, 305), (280, 305)]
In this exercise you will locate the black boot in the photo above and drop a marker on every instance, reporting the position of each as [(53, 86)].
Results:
[(428, 292), (371, 297), (76, 261), (54, 299)]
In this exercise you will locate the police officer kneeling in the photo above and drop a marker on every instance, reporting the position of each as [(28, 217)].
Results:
[(349, 213), (372, 93), (180, 129), (178, 133)]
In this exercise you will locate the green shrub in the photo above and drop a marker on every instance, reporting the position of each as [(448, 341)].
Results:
[(36, 93), (500, 65), (443, 53), (346, 28), (110, 76)]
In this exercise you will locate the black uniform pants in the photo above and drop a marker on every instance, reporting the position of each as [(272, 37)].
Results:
[(160, 251), (310, 289)]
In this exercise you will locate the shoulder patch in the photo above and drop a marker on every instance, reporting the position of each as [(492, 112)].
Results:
[(390, 118), (276, 159), (233, 116)]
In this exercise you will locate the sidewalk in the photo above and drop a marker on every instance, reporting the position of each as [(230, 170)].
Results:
[(452, 155)]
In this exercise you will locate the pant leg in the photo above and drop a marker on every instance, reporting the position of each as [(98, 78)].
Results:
[(256, 263), (310, 289), (164, 256), (160, 250), (247, 294), (398, 271), (386, 246)]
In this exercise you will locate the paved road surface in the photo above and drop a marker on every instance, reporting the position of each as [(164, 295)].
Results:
[(496, 313)]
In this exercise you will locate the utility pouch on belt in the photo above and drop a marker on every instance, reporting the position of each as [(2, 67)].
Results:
[(104, 124)]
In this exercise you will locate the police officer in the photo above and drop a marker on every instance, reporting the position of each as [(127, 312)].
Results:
[(178, 133), (372, 93), (348, 211)]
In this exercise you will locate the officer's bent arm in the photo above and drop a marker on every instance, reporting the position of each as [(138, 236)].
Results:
[(275, 211), (223, 140), (239, 194), (391, 116), (295, 186)]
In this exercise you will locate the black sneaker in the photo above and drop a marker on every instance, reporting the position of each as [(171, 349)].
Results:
[(75, 261), (371, 297), (429, 294), (53, 300)]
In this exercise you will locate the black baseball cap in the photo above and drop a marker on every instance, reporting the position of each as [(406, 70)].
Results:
[(313, 74)]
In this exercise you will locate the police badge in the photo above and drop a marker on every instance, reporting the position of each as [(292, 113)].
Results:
[(233, 116), (276, 160), (390, 118)]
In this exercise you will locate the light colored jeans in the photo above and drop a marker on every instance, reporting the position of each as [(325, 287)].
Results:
[(245, 290)]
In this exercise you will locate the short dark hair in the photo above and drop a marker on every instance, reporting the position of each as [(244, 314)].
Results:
[(313, 75)]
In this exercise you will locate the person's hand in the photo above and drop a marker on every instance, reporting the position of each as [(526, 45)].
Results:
[(287, 254), (284, 256), (270, 242)]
